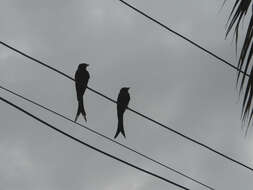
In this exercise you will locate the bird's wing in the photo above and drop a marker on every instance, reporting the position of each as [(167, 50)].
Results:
[(123, 100)]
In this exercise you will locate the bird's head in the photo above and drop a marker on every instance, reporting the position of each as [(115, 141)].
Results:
[(83, 66), (125, 88)]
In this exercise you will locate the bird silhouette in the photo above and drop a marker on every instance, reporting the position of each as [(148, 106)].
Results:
[(122, 103), (81, 79)]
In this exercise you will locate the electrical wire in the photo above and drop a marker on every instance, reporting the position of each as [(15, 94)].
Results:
[(185, 38), (101, 135), (92, 147), (136, 112)]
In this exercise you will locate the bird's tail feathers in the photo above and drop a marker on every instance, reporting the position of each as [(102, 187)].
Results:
[(120, 127), (80, 110)]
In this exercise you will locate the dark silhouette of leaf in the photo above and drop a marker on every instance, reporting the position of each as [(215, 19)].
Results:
[(238, 12)]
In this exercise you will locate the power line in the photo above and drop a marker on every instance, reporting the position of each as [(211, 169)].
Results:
[(185, 38), (101, 135), (92, 147), (136, 112), (52, 68)]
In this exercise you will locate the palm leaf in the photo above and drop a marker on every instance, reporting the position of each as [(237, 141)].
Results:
[(238, 12)]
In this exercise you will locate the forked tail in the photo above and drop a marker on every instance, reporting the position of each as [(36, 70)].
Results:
[(80, 110), (120, 127)]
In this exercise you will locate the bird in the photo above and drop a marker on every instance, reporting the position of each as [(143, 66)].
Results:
[(81, 81), (122, 103)]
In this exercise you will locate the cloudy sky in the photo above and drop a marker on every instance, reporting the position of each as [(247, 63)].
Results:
[(170, 80)]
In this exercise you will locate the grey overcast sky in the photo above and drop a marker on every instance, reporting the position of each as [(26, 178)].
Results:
[(170, 80)]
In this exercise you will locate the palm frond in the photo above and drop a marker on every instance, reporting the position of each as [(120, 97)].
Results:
[(238, 12), (236, 16)]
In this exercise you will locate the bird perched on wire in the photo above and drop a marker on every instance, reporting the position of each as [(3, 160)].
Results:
[(122, 103), (81, 79)]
